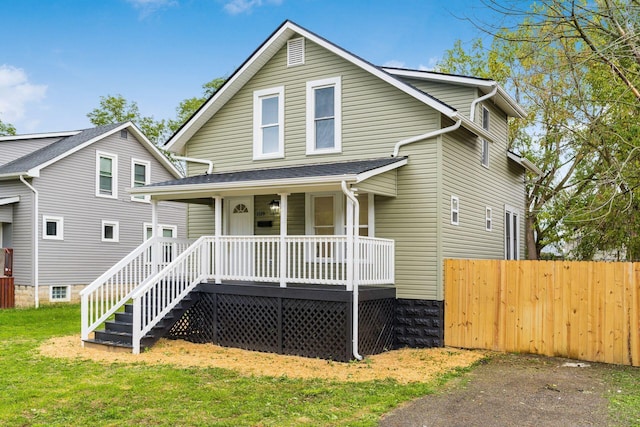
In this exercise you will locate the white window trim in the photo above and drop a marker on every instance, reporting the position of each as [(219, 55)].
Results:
[(116, 231), (455, 210), (147, 178), (486, 152), (336, 82), (258, 95), (59, 228), (67, 298), (488, 219), (516, 249), (148, 225), (114, 175), (486, 118)]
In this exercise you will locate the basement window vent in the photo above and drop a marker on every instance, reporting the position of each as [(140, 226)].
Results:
[(295, 52)]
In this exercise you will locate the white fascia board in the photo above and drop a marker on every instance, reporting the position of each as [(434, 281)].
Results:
[(242, 185), (525, 163), (39, 135), (366, 175), (9, 200)]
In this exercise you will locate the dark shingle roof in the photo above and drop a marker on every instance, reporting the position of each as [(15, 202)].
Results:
[(289, 172), (51, 151)]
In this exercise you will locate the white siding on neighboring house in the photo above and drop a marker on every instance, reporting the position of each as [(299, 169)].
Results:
[(11, 150)]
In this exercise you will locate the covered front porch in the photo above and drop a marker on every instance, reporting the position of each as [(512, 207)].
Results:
[(335, 260)]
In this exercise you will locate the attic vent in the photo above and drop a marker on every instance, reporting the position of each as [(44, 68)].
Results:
[(123, 134), (295, 52)]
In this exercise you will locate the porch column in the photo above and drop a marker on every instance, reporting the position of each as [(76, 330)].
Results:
[(156, 246), (217, 250), (284, 260)]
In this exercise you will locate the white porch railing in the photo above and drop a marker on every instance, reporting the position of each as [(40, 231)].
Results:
[(109, 292), (308, 259)]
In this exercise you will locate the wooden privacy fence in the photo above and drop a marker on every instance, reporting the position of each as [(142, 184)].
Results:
[(581, 310)]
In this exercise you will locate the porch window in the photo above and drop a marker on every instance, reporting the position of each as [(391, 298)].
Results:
[(324, 120), (268, 123), (140, 171), (106, 175), (52, 228)]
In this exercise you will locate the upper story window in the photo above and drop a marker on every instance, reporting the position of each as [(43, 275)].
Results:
[(268, 123), (140, 176), (106, 175), (485, 143), (324, 121)]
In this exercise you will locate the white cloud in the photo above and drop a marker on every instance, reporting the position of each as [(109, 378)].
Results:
[(147, 7), (16, 92), (394, 64), (235, 7)]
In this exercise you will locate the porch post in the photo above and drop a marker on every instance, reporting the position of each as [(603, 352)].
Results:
[(217, 250), (284, 260), (156, 246)]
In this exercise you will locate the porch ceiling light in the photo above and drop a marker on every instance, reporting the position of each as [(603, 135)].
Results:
[(274, 206)]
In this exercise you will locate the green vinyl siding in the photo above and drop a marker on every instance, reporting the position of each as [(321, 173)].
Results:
[(375, 115), (384, 184), (457, 96)]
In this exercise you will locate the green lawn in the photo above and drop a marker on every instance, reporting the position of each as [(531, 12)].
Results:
[(37, 390), (41, 391)]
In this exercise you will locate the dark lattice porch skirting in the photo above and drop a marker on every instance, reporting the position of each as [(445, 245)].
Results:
[(310, 321)]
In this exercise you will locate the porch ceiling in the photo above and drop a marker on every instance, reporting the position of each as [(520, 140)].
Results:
[(292, 179)]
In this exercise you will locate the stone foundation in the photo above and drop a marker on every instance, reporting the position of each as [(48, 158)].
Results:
[(25, 295), (419, 323)]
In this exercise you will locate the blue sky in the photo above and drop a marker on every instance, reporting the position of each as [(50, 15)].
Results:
[(59, 56)]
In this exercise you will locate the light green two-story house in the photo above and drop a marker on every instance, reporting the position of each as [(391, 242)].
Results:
[(324, 193)]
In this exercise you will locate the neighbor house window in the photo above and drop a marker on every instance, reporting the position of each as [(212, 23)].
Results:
[(59, 293), (455, 210), (140, 171), (268, 123), (485, 143), (511, 233), (487, 219), (324, 121), (52, 228), (106, 175), (167, 248), (110, 231)]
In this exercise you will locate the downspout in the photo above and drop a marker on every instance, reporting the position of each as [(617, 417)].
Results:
[(36, 259), (427, 135), (209, 163), (355, 214), (472, 112)]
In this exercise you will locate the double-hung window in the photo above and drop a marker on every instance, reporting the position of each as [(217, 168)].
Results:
[(140, 172), (455, 210), (511, 233), (106, 175), (324, 116), (268, 123)]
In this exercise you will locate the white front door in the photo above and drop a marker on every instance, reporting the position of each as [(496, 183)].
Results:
[(239, 216)]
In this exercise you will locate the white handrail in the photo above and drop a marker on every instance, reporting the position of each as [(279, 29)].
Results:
[(109, 292), (159, 294)]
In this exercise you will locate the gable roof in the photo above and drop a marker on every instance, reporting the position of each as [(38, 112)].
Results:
[(257, 180), (267, 50), (31, 164)]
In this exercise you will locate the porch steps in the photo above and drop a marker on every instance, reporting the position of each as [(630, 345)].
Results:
[(117, 334)]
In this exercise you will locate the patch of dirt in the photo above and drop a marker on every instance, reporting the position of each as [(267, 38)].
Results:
[(515, 390), (405, 365)]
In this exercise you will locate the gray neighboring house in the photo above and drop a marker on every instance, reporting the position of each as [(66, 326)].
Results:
[(65, 209)]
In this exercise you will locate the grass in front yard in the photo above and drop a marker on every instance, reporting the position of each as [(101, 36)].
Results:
[(37, 390)]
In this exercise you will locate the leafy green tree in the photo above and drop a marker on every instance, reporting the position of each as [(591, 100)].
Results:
[(7, 129), (189, 106)]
